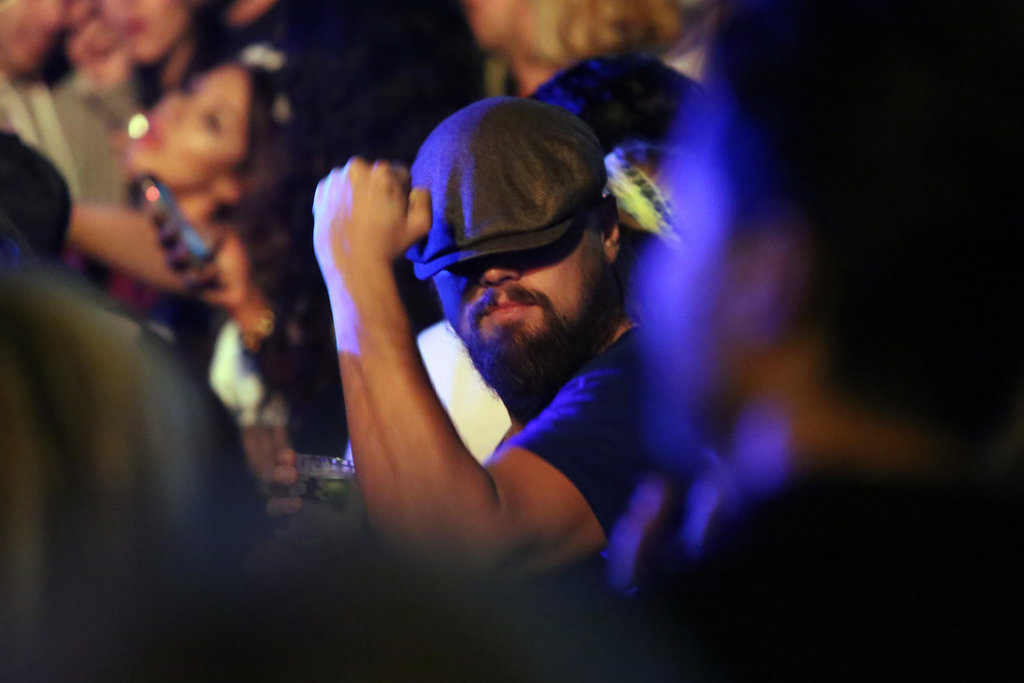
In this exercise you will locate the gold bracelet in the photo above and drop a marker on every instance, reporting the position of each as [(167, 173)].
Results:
[(253, 339)]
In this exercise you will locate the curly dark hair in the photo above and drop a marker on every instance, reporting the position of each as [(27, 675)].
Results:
[(623, 97), (208, 39), (373, 79), (297, 360), (367, 79), (635, 103)]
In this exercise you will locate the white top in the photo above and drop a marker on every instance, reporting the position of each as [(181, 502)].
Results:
[(476, 411), (235, 380)]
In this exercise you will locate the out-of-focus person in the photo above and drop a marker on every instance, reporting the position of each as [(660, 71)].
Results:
[(106, 453), (95, 101), (531, 40), (96, 51), (216, 148), (117, 472), (123, 56), (199, 141), (636, 104), (163, 44), (168, 41), (389, 101), (29, 30), (571, 30), (504, 30), (841, 327), (28, 33), (688, 52)]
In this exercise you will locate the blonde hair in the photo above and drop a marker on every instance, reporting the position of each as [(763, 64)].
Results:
[(570, 30)]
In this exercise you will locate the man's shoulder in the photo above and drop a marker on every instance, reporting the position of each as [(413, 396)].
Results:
[(592, 432), (599, 399)]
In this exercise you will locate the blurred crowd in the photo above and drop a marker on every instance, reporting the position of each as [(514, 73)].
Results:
[(769, 425)]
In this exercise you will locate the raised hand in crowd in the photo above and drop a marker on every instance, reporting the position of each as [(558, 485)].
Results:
[(365, 218)]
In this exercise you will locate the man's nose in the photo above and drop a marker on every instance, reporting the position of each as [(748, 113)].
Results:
[(495, 275)]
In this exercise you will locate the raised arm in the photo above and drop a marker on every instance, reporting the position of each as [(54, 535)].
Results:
[(422, 487), (125, 240)]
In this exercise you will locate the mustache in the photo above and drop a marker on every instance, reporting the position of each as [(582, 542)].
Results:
[(515, 293)]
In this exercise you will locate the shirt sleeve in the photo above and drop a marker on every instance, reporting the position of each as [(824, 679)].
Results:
[(590, 434)]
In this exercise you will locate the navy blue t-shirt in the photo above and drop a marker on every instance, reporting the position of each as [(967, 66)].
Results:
[(591, 431)]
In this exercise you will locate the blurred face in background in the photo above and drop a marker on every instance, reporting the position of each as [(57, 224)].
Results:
[(496, 24), (28, 29), (151, 29), (93, 45), (198, 138)]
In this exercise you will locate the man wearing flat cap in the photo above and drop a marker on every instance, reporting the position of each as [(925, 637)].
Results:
[(508, 218)]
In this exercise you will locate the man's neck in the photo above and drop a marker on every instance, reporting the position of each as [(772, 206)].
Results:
[(519, 423)]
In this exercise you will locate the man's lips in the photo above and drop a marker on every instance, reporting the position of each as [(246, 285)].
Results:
[(503, 305), (505, 310), (507, 303)]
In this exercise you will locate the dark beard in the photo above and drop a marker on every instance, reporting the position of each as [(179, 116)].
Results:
[(527, 370)]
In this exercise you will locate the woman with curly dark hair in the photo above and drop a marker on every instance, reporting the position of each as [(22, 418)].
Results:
[(372, 79), (366, 79), (217, 147), (369, 80)]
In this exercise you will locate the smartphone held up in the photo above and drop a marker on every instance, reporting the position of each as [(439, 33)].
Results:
[(156, 200)]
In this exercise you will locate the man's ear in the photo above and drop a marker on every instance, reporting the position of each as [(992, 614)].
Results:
[(610, 235)]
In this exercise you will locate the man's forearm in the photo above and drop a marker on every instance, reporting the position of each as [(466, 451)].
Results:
[(420, 483)]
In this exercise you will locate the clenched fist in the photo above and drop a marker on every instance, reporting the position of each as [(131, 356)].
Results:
[(367, 215), (364, 219)]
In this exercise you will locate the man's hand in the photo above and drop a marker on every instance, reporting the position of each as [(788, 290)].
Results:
[(364, 218), (367, 215)]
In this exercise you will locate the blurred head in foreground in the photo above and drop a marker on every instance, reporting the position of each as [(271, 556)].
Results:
[(847, 296), (104, 454)]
